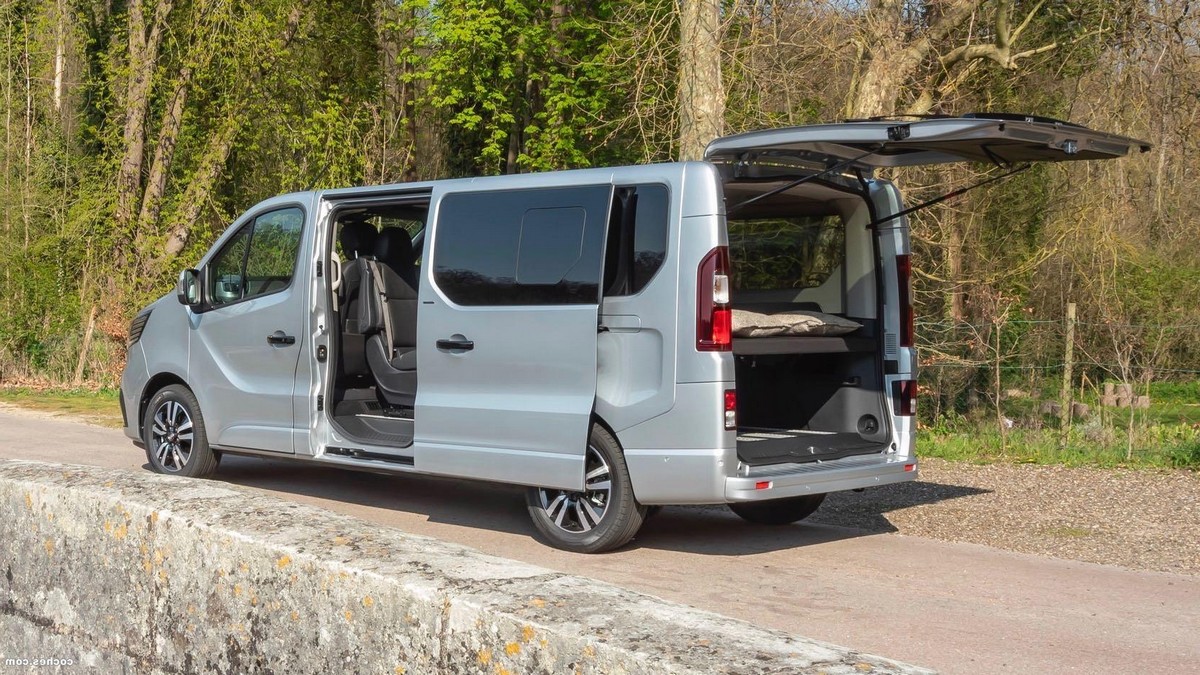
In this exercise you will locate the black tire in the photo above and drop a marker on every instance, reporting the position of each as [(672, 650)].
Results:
[(171, 416), (778, 511), (567, 519)]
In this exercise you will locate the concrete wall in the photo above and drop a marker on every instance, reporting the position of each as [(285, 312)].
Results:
[(135, 572)]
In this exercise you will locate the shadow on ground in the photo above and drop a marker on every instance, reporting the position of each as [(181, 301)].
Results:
[(706, 530)]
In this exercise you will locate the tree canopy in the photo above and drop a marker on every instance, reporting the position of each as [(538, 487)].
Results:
[(134, 132)]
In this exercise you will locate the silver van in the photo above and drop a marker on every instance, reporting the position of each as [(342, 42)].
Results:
[(737, 330)]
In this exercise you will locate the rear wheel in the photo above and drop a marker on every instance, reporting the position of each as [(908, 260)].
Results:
[(601, 517), (176, 442), (778, 511)]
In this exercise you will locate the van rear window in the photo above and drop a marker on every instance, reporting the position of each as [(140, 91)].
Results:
[(779, 253)]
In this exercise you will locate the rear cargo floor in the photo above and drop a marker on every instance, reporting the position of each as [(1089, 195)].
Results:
[(757, 445)]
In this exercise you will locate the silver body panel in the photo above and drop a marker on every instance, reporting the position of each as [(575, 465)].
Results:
[(516, 408)]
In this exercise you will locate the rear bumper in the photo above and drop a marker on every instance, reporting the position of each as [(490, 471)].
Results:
[(702, 476), (777, 481)]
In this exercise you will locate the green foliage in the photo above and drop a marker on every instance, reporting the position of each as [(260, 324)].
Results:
[(1160, 447), (281, 95), (516, 82)]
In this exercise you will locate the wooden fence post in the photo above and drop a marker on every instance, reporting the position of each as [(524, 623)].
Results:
[(1068, 364), (87, 346)]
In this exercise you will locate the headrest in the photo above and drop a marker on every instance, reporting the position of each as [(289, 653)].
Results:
[(394, 247), (358, 239)]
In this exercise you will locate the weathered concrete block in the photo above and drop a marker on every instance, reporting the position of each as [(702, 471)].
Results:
[(136, 572), (1080, 410), (1141, 402)]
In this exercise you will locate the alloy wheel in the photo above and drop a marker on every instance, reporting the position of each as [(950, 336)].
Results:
[(172, 436), (578, 512)]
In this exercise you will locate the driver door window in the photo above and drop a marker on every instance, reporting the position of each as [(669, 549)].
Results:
[(260, 259)]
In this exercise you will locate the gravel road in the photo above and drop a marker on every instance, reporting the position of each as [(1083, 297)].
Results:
[(881, 582), (1139, 519), (1135, 518)]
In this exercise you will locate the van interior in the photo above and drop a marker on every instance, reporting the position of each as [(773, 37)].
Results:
[(813, 395), (801, 398), (374, 280)]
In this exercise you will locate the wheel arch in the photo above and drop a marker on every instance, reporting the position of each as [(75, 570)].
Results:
[(153, 386), (597, 419)]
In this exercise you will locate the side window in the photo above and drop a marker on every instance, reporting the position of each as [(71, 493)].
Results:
[(260, 258), (225, 271), (521, 247), (273, 249), (637, 238)]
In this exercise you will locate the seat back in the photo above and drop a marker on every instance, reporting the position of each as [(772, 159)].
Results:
[(394, 248), (358, 245), (392, 309)]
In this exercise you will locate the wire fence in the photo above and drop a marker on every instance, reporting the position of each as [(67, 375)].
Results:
[(1028, 366)]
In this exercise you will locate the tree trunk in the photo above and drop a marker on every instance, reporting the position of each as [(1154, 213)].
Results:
[(701, 91), (143, 59), (196, 196), (60, 49), (893, 58), (164, 154), (26, 188), (216, 153)]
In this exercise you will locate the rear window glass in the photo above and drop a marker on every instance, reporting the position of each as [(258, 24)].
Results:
[(779, 253)]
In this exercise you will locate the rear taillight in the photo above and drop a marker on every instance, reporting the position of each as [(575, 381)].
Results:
[(730, 409), (714, 317), (905, 393), (904, 287)]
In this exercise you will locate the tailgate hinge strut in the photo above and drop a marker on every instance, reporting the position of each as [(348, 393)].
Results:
[(949, 195)]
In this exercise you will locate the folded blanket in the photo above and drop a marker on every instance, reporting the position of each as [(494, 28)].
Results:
[(799, 322)]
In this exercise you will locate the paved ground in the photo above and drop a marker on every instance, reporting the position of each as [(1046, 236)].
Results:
[(961, 608)]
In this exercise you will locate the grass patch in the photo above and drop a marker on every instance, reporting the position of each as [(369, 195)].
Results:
[(98, 407), (1155, 446)]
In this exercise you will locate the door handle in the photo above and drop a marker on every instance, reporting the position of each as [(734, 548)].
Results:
[(456, 344), (279, 338)]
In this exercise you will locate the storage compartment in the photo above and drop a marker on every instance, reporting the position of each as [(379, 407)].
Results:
[(807, 407), (805, 391)]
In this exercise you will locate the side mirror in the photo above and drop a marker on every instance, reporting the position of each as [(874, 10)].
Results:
[(187, 289)]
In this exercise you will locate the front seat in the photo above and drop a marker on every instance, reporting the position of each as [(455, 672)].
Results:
[(394, 248), (391, 347), (358, 244)]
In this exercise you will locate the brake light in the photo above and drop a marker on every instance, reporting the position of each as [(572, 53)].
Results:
[(714, 316), (905, 394), (730, 409), (904, 288)]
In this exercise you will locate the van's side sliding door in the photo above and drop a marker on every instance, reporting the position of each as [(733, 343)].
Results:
[(506, 333)]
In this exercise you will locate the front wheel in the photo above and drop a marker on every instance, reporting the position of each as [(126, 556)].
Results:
[(176, 442), (778, 511), (601, 517)]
